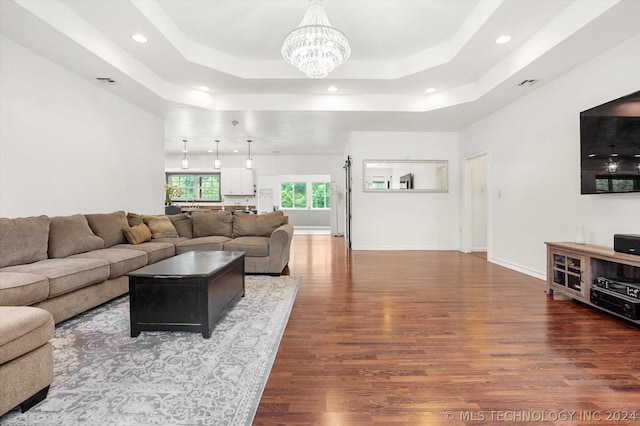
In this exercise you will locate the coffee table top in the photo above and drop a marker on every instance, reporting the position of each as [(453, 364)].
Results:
[(191, 263)]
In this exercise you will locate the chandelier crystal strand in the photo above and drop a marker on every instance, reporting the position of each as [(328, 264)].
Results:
[(315, 47)]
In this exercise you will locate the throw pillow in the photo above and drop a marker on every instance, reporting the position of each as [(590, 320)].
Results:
[(160, 226), (256, 225), (23, 240), (108, 226), (206, 224), (137, 234), (71, 235), (134, 219), (182, 223)]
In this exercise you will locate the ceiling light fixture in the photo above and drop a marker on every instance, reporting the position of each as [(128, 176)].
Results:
[(203, 88), (315, 47), (249, 160), (139, 38), (216, 162), (503, 39), (332, 89), (612, 166), (430, 90), (185, 160)]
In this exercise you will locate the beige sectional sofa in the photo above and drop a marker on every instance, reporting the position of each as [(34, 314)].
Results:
[(52, 268)]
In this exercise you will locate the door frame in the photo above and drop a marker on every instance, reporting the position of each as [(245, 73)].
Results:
[(467, 215)]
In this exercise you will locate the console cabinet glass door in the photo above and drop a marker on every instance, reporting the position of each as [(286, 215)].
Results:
[(567, 272)]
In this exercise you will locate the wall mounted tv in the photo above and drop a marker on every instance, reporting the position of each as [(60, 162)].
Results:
[(610, 146)]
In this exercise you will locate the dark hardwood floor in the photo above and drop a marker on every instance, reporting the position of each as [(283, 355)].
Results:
[(442, 338)]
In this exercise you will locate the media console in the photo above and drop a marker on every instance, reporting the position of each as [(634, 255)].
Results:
[(596, 276)]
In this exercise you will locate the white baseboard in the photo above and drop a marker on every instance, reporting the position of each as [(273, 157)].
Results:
[(416, 248), (311, 230), (523, 269)]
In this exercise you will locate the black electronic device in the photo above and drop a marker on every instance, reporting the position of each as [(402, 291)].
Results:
[(627, 243), (627, 286), (610, 146), (616, 302)]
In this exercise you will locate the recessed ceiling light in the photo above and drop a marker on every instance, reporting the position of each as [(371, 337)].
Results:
[(430, 90), (235, 150), (209, 150), (139, 38), (332, 89), (205, 88), (503, 39)]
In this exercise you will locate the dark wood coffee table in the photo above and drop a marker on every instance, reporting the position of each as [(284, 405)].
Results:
[(188, 292)]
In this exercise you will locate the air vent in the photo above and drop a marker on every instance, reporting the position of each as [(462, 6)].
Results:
[(527, 83), (106, 80)]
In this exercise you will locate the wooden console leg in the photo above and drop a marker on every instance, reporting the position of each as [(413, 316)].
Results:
[(39, 396)]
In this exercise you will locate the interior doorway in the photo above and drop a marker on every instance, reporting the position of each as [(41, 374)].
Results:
[(476, 217)]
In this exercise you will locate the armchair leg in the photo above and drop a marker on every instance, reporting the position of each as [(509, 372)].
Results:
[(33, 400)]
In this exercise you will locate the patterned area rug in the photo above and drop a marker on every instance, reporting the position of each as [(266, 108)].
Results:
[(103, 376)]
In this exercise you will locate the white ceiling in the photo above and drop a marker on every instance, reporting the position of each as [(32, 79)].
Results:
[(399, 49)]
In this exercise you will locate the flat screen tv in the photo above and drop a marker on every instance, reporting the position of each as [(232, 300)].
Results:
[(610, 146)]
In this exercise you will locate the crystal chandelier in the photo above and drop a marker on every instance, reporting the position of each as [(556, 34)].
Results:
[(315, 47)]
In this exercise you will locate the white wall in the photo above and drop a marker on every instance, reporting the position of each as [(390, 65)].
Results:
[(405, 221), (69, 146), (534, 164)]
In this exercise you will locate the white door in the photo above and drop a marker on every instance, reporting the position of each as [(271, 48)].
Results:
[(265, 200)]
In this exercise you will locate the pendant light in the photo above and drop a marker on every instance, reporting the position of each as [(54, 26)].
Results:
[(185, 160), (216, 162), (249, 160), (612, 165)]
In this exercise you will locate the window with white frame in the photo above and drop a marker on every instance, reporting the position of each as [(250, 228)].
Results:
[(293, 195), (302, 195), (195, 187), (321, 195)]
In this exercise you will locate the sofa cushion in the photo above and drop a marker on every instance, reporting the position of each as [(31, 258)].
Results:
[(252, 246), (207, 224), (20, 289), (160, 226), (214, 242), (137, 234), (156, 251), (23, 329), (71, 235), (120, 261), (173, 241), (182, 223), (66, 275), (258, 225), (24, 240), (108, 226)]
